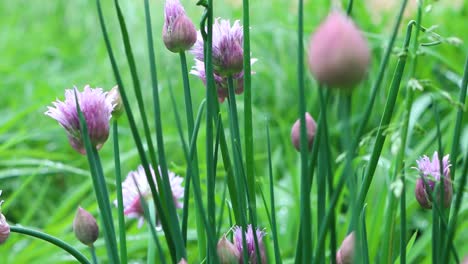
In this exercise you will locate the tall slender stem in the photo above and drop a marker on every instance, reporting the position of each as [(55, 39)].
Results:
[(53, 240)]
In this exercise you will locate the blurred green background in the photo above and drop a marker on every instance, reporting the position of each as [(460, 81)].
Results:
[(48, 46)]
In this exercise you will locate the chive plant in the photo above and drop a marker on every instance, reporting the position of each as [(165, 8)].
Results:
[(223, 62)]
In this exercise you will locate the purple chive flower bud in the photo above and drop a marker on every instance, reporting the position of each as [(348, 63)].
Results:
[(85, 227), (97, 113), (179, 33), (430, 171), (227, 48), (116, 100), (131, 197), (345, 254), (311, 128), (338, 53), (4, 227), (249, 237), (227, 252)]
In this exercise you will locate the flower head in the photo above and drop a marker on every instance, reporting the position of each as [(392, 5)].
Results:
[(429, 172), (227, 48), (311, 128), (345, 254), (179, 33), (221, 83), (97, 113), (131, 197), (4, 226), (338, 53), (249, 238), (85, 227)]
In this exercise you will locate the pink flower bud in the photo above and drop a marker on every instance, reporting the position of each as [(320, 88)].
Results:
[(430, 171), (227, 252), (338, 53), (179, 33), (182, 261), (4, 229), (85, 227), (296, 132), (465, 260), (345, 254)]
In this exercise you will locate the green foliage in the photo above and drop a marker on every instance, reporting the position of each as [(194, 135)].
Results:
[(48, 46)]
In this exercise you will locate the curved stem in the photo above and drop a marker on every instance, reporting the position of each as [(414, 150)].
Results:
[(92, 249), (51, 239)]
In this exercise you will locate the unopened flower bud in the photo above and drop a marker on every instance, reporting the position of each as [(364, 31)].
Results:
[(85, 227), (116, 100), (179, 33), (227, 252), (311, 128), (345, 254), (4, 229), (430, 176), (182, 261), (338, 53), (465, 260)]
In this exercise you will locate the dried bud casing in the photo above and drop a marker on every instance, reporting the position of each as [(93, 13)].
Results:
[(116, 100), (4, 229), (311, 128), (85, 227), (227, 252), (345, 254), (338, 53)]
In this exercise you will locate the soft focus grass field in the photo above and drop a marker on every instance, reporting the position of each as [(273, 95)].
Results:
[(47, 46)]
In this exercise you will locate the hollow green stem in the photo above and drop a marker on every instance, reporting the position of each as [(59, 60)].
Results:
[(248, 129), (306, 235), (134, 129), (51, 239), (238, 164), (453, 154), (272, 202), (387, 115), (165, 188), (92, 250), (120, 207)]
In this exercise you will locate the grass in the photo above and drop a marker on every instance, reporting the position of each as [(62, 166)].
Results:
[(49, 46)]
